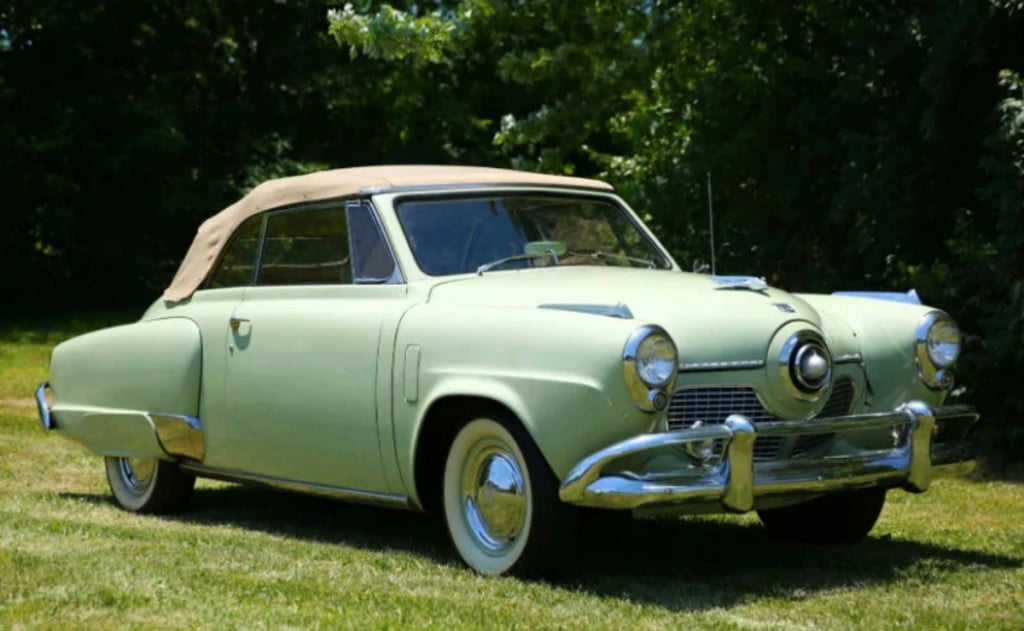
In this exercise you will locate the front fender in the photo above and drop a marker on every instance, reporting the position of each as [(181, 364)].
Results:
[(559, 372), (886, 334)]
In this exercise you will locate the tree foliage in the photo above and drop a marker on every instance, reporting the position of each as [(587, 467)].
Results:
[(850, 144)]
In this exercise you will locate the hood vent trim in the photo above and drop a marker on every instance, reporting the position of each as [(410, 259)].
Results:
[(619, 310)]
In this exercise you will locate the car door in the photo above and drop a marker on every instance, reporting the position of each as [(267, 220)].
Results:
[(309, 350)]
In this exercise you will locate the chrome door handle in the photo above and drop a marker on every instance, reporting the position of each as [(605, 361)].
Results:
[(235, 323)]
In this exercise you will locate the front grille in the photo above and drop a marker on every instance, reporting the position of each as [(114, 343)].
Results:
[(839, 403), (712, 405), (841, 399)]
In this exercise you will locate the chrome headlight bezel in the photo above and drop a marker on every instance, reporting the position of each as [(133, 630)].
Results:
[(794, 349), (649, 392), (936, 373)]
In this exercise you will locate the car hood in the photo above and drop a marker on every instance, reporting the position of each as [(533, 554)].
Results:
[(708, 321)]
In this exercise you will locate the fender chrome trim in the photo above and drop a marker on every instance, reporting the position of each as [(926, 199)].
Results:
[(618, 310), (714, 366), (179, 435), (910, 297), (45, 416)]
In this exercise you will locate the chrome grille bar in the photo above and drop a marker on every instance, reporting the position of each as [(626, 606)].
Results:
[(711, 405)]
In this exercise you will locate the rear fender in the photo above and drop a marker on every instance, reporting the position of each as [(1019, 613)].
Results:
[(131, 390)]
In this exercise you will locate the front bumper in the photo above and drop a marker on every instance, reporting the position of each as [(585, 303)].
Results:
[(734, 482)]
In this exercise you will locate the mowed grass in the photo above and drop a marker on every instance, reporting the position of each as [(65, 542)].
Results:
[(247, 557)]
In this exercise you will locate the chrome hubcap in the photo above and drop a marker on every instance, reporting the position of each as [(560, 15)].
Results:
[(137, 473), (494, 497)]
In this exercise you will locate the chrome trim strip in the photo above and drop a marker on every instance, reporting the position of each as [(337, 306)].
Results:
[(910, 297), (612, 311), (847, 358), (336, 492), (179, 435), (852, 423), (743, 364), (735, 482), (45, 417)]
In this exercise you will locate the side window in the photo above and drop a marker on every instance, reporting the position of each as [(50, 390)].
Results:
[(236, 264), (373, 262), (306, 247)]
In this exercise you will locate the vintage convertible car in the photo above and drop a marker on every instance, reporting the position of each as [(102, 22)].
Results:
[(513, 351)]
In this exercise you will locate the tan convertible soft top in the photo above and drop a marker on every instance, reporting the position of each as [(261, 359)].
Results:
[(215, 231)]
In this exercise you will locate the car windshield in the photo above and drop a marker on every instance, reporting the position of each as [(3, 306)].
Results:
[(477, 234)]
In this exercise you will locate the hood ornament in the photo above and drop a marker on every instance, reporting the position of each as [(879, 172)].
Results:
[(748, 283)]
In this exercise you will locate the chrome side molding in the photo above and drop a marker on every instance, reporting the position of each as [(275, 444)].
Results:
[(910, 297), (180, 435), (712, 366), (372, 498), (618, 310)]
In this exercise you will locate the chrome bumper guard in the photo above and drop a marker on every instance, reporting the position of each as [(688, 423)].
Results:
[(45, 418), (735, 480)]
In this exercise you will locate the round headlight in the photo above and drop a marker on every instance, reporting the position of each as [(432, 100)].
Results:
[(943, 342), (650, 362), (656, 360), (938, 347)]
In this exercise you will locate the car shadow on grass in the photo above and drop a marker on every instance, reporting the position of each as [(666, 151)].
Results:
[(686, 564), (309, 518), (693, 563)]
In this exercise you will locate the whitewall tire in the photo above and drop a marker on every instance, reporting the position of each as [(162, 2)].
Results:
[(148, 485), (501, 500)]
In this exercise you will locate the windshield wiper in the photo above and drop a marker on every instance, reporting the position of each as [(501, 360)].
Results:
[(597, 254), (549, 253)]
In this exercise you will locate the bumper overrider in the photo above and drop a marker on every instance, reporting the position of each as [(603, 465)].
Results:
[(735, 482)]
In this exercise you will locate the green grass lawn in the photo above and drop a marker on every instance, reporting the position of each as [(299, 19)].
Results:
[(247, 557)]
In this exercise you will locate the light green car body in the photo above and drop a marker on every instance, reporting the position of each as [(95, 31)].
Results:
[(333, 388)]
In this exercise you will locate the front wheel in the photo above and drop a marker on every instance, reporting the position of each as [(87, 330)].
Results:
[(501, 500), (149, 485), (837, 518)]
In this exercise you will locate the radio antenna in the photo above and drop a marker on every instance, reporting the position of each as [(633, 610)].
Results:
[(711, 224)]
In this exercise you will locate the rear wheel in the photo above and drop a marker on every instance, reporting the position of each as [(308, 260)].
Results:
[(837, 518), (149, 485), (501, 500)]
